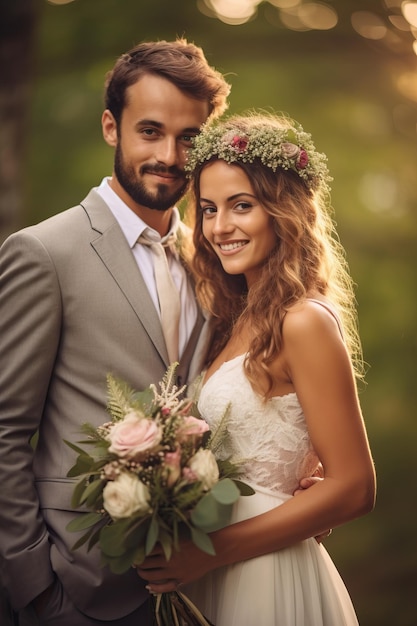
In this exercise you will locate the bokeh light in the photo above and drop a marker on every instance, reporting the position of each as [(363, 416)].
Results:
[(379, 192), (393, 29), (368, 25), (317, 15), (407, 85), (409, 10), (233, 12)]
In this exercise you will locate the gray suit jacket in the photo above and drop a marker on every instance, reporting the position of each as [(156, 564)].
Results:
[(73, 307)]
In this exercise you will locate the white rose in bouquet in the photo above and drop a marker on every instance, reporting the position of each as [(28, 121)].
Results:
[(125, 496), (203, 466)]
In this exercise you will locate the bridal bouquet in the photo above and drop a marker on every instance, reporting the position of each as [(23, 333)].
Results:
[(151, 477)]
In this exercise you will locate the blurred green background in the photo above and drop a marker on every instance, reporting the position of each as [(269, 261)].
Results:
[(347, 70)]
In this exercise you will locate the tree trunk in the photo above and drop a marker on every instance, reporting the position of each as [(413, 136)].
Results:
[(17, 38)]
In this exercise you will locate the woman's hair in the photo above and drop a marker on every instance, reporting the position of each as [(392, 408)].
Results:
[(308, 259), (180, 62)]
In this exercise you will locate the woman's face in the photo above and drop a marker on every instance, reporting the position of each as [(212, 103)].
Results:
[(234, 222)]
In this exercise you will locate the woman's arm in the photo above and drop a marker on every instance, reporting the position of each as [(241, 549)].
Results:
[(319, 367)]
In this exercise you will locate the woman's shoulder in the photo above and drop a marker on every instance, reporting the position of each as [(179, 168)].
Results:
[(313, 319)]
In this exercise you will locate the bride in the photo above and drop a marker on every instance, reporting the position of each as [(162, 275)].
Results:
[(285, 352)]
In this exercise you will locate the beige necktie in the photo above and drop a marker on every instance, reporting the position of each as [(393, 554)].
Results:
[(168, 295)]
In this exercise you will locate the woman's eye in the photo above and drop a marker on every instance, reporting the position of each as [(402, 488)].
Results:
[(243, 206), (208, 210)]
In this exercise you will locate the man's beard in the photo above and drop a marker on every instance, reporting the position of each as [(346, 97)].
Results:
[(162, 199)]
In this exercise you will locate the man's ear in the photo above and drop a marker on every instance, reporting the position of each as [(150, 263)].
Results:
[(109, 128)]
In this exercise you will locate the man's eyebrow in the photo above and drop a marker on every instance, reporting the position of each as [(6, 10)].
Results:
[(193, 130), (149, 123)]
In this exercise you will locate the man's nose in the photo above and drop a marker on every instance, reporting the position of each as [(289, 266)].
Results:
[(168, 152)]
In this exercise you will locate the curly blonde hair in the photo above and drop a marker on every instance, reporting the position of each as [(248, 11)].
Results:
[(308, 259)]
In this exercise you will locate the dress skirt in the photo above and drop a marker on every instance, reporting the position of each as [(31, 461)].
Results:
[(296, 586)]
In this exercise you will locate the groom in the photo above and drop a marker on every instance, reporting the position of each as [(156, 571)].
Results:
[(79, 300)]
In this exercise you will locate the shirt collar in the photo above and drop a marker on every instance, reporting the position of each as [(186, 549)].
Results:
[(130, 223)]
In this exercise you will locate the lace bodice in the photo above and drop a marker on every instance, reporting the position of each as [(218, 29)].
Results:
[(271, 439)]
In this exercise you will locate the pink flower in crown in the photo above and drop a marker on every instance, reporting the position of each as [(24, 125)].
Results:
[(302, 160), (289, 150), (239, 143)]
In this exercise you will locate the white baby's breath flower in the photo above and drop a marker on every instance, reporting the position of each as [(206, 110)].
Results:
[(277, 143)]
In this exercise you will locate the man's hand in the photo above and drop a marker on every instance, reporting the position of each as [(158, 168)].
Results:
[(306, 483)]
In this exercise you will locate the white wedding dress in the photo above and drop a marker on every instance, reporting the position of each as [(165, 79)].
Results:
[(296, 586)]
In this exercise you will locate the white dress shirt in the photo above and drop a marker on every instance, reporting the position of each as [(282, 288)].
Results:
[(132, 227)]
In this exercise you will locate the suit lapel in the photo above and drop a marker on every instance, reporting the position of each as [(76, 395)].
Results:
[(113, 249), (196, 350)]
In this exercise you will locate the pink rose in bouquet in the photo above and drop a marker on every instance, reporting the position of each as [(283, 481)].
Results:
[(192, 426), (133, 435)]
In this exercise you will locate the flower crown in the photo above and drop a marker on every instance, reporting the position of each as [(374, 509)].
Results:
[(276, 142)]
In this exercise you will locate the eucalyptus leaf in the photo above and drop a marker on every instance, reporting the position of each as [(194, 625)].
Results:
[(152, 535), (138, 555), (121, 564), (77, 470), (202, 541), (83, 521), (81, 466), (74, 447), (91, 493), (82, 540), (245, 490), (112, 538), (77, 494), (136, 534), (225, 491), (166, 543), (95, 536), (210, 515), (144, 399)]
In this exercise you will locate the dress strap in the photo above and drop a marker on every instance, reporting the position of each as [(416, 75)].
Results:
[(332, 312)]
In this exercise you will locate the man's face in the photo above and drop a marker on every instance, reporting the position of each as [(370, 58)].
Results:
[(156, 129)]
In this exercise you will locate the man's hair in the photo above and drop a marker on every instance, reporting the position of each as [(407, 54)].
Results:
[(180, 62)]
